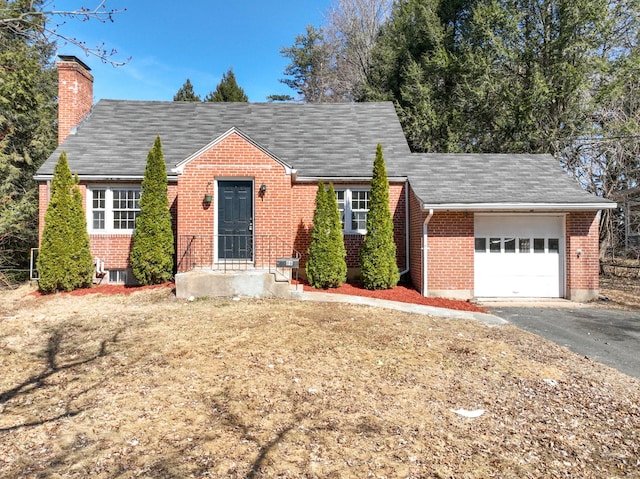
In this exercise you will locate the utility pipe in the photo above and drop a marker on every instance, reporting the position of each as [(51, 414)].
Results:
[(406, 229), (425, 252)]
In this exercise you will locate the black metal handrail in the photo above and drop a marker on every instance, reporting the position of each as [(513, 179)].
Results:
[(237, 252)]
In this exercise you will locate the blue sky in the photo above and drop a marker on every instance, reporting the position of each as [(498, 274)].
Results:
[(171, 41)]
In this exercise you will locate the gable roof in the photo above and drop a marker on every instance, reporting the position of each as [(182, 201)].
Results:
[(312, 138), (179, 168), (483, 181), (329, 141)]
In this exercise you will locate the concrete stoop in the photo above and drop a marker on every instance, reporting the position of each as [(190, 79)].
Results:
[(254, 284)]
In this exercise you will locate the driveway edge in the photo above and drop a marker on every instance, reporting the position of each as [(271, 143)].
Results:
[(488, 319)]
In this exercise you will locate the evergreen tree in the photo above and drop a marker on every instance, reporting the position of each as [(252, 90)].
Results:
[(65, 262), (378, 266), (326, 266), (310, 72), (27, 131), (507, 76), (337, 251), (228, 90), (186, 93), (153, 248)]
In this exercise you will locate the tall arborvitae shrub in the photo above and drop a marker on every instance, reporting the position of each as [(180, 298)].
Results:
[(378, 266), (326, 266), (337, 252), (152, 250), (64, 261)]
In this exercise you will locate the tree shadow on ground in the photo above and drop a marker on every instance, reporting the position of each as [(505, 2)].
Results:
[(64, 415), (52, 351), (247, 431)]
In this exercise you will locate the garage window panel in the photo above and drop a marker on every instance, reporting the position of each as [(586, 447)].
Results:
[(509, 245), (538, 245), (554, 245), (495, 245), (524, 245), (481, 245)]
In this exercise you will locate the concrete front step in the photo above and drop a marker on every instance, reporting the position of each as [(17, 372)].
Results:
[(255, 284)]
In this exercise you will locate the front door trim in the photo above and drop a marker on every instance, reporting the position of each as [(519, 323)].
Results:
[(216, 192)]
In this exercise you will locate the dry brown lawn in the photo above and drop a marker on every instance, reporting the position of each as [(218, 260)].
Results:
[(620, 292), (149, 386)]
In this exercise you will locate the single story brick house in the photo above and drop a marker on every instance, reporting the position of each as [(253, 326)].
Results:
[(243, 179)]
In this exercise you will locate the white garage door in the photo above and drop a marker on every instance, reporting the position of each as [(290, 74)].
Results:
[(519, 256)]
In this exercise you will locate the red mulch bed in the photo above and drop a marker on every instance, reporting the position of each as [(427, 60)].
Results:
[(404, 294), (109, 289), (401, 293)]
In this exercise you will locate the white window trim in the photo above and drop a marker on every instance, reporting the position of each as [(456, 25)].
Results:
[(108, 220), (347, 207)]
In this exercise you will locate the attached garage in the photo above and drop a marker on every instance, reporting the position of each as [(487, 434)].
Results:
[(519, 256), (500, 226)]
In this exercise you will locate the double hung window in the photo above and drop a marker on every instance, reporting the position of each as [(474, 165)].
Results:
[(353, 204), (113, 209)]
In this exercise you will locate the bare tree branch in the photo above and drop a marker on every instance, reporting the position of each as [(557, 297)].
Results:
[(44, 23)]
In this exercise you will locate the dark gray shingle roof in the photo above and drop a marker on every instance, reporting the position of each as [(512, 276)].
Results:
[(441, 179), (318, 140), (315, 139)]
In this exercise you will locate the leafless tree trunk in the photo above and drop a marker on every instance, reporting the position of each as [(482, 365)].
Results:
[(352, 29)]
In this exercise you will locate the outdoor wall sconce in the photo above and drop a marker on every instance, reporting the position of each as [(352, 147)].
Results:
[(207, 194), (263, 189)]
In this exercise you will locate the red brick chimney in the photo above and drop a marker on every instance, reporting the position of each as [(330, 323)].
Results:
[(75, 94)]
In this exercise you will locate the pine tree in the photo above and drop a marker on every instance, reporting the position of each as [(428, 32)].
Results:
[(228, 90), (65, 262), (186, 93), (378, 266), (326, 267), (28, 132), (153, 248)]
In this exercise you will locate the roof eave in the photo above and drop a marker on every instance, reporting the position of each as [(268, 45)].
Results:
[(528, 207), (106, 178), (346, 179)]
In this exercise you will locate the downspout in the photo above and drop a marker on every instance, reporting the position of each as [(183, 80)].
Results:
[(425, 252), (406, 229)]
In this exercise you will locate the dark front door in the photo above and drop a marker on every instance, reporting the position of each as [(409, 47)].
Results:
[(235, 220)]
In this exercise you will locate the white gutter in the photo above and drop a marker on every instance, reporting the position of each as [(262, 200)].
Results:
[(425, 252), (120, 178), (406, 229), (347, 179), (518, 206)]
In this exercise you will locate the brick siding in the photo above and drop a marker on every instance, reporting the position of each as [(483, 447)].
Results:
[(582, 269), (234, 158), (286, 210), (450, 262), (75, 96), (304, 195)]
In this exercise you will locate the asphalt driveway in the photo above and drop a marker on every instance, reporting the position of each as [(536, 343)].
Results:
[(608, 336)]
